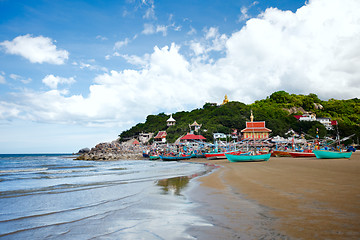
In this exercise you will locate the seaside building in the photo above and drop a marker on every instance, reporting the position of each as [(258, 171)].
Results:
[(171, 121), (192, 137), (327, 122), (219, 135), (195, 127), (255, 130), (161, 137), (145, 137)]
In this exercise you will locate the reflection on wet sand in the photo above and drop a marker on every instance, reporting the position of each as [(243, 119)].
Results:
[(173, 185)]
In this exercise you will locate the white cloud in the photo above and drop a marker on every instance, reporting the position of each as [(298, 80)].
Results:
[(192, 31), (101, 37), (315, 50), (162, 28), (150, 12), (2, 79), (35, 49), (151, 29), (136, 60), (53, 81), (20, 78), (120, 44), (148, 29)]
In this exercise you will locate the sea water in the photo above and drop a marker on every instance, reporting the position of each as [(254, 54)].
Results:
[(52, 196)]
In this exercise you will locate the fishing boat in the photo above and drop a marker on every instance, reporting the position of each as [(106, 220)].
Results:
[(219, 155), (145, 155), (154, 157), (331, 154), (175, 158), (215, 155), (198, 155), (247, 157), (280, 154), (305, 153)]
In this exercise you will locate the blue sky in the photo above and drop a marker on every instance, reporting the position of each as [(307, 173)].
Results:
[(76, 73)]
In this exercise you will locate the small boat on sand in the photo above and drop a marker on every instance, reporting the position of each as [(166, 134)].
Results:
[(175, 158), (154, 157), (247, 157), (218, 155), (280, 154), (331, 154), (305, 153)]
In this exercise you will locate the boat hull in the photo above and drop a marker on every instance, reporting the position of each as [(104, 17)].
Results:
[(213, 156), (280, 154), (331, 155), (248, 158), (174, 158), (302, 154), (219, 155), (154, 157)]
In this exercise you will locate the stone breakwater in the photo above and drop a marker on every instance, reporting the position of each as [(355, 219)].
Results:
[(113, 151)]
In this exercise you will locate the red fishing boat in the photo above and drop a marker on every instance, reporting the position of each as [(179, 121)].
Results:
[(305, 153)]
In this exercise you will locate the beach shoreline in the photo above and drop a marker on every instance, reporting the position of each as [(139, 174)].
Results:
[(284, 198)]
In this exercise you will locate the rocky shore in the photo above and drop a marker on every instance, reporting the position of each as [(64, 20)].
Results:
[(112, 151)]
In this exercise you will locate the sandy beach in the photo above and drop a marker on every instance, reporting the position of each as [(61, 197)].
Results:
[(298, 198)]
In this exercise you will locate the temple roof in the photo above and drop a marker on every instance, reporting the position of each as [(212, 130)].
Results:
[(255, 127), (195, 124), (161, 134), (171, 119)]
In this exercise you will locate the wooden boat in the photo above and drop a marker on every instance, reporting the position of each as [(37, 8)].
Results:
[(247, 157), (218, 155), (280, 154), (154, 157), (305, 153), (175, 158), (194, 155), (331, 154)]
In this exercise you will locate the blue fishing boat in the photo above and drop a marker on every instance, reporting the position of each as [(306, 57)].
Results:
[(175, 158), (331, 154), (247, 157)]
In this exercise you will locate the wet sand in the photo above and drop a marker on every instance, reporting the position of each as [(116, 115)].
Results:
[(284, 198)]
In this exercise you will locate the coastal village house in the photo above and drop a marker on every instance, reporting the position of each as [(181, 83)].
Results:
[(161, 137), (327, 122), (195, 127), (255, 130)]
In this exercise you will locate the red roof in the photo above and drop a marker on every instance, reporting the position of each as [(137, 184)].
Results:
[(135, 142), (297, 116), (255, 127), (256, 130), (334, 122), (255, 124), (190, 136), (161, 134)]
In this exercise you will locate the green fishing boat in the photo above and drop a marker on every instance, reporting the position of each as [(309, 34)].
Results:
[(247, 157), (331, 154), (154, 157)]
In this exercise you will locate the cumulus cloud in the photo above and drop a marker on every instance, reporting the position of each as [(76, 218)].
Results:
[(314, 50), (53, 81), (35, 49)]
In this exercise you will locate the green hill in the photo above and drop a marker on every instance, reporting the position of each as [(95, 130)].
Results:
[(277, 110)]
